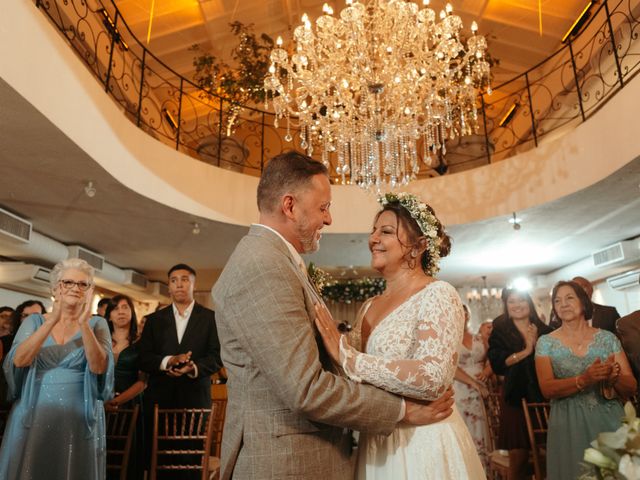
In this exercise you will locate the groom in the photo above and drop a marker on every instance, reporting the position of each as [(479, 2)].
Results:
[(288, 407)]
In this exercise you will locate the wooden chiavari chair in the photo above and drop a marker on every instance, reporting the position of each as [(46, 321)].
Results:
[(182, 440), (498, 461), (537, 418), (120, 425), (216, 437)]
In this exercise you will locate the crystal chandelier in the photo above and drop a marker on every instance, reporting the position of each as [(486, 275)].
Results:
[(379, 88), (485, 301)]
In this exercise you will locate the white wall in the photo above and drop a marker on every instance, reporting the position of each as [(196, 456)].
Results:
[(13, 299), (626, 300)]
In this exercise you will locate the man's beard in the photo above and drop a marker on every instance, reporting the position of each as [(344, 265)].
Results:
[(308, 237)]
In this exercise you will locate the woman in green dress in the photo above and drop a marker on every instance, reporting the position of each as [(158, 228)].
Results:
[(129, 381), (581, 369)]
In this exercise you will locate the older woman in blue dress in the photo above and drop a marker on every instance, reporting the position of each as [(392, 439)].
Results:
[(59, 370), (580, 368)]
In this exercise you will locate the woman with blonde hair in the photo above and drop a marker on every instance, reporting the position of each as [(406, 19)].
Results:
[(59, 371)]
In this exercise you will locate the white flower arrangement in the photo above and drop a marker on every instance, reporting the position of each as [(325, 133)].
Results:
[(425, 219), (617, 454)]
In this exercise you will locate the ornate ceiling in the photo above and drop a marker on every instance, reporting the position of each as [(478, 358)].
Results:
[(511, 26)]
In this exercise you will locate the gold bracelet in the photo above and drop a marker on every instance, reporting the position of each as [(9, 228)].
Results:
[(578, 386)]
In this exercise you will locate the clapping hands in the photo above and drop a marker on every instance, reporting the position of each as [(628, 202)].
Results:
[(180, 364), (599, 370)]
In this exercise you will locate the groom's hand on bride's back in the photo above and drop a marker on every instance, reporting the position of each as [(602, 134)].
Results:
[(423, 413)]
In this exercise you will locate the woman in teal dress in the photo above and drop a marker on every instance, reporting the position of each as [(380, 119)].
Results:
[(59, 371), (578, 366), (129, 381)]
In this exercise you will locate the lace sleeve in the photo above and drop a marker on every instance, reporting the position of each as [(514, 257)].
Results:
[(427, 337)]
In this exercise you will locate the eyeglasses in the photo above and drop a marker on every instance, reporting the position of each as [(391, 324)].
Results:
[(69, 284)]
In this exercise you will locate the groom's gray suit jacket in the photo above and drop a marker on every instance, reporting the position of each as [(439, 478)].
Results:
[(288, 407)]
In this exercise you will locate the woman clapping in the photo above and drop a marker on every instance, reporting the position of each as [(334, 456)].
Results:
[(580, 368), (59, 371)]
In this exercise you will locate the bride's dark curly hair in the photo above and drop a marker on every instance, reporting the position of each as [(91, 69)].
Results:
[(414, 235)]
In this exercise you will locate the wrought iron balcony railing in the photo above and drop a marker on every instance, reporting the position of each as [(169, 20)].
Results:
[(558, 93)]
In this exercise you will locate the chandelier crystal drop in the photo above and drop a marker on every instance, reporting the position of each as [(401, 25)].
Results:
[(379, 88)]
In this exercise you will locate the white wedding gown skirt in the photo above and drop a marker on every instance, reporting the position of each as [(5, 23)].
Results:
[(441, 451), (412, 352)]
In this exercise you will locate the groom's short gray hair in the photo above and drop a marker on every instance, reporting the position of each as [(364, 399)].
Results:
[(286, 173)]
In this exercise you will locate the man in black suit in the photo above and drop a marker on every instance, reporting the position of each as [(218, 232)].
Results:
[(629, 334), (179, 347), (603, 317)]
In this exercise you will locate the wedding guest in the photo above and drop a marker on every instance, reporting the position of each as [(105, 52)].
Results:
[(28, 307), (129, 381), (406, 341), (103, 303), (628, 330), (179, 350), (511, 353), (59, 370), (580, 368), (6, 315), (470, 387), (25, 309), (603, 316)]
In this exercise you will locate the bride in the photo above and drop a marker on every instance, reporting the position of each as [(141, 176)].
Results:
[(405, 341)]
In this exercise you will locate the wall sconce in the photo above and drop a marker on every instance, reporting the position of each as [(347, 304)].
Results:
[(580, 21), (110, 25), (170, 120), (509, 115), (196, 228)]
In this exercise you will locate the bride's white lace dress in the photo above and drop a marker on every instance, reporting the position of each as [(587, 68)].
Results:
[(413, 352)]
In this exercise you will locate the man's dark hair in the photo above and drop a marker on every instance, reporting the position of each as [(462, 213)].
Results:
[(284, 173), (6, 309), (181, 266), (103, 301)]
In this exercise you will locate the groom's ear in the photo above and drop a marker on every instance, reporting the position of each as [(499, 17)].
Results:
[(288, 201)]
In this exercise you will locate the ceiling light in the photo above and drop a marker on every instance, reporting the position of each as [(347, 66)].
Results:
[(90, 190), (196, 228), (515, 221), (403, 100), (522, 283)]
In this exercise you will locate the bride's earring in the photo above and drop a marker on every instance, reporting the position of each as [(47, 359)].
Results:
[(414, 253)]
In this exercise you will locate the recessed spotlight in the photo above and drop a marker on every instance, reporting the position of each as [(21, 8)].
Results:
[(90, 190)]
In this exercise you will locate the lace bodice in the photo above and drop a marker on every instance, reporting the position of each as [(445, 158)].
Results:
[(413, 350)]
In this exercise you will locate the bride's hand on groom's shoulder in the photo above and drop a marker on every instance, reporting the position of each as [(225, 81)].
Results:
[(424, 413), (328, 331)]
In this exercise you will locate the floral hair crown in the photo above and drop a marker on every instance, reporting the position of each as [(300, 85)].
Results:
[(426, 220)]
